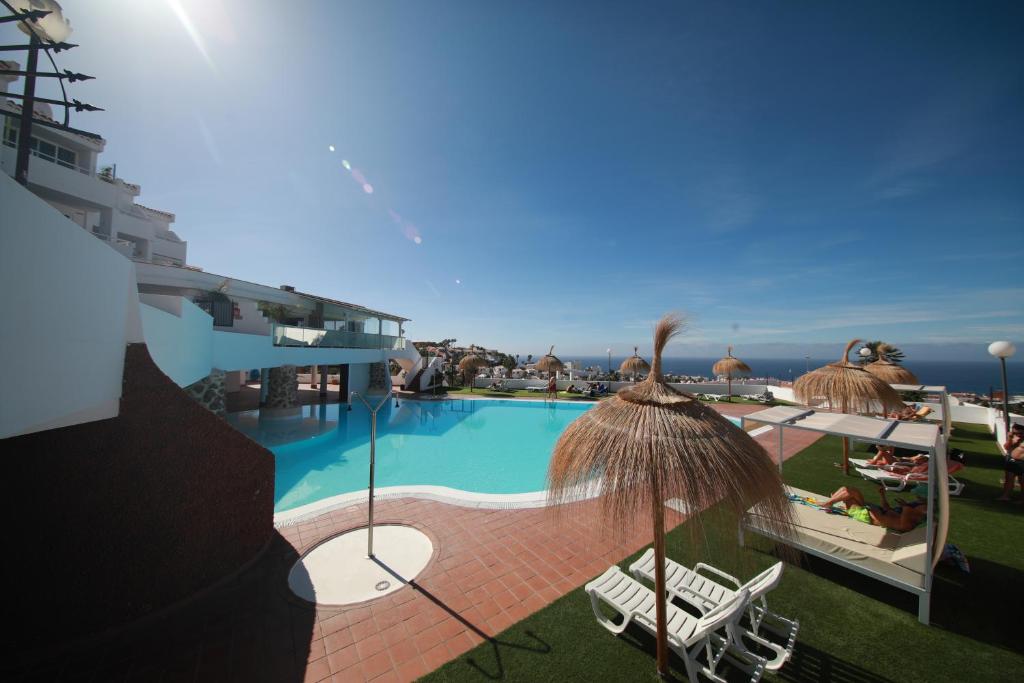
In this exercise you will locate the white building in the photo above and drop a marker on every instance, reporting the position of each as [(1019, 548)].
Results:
[(112, 273), (64, 172)]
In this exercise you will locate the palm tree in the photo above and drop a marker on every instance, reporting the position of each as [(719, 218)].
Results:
[(891, 353)]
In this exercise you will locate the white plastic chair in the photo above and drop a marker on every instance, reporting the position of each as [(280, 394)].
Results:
[(688, 635), (705, 594)]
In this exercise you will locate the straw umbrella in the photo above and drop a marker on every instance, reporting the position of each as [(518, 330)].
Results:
[(730, 366), (469, 365), (651, 442), (889, 372), (550, 363), (634, 364), (847, 388)]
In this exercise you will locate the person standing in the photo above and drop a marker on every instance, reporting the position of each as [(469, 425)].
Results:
[(1014, 465)]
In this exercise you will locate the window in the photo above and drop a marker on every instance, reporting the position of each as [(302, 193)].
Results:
[(10, 133), (68, 158)]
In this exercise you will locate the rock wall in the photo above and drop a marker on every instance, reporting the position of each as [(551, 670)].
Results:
[(120, 518), (379, 376), (283, 387), (211, 392)]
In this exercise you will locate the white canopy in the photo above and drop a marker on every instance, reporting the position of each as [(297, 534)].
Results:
[(891, 565), (914, 435)]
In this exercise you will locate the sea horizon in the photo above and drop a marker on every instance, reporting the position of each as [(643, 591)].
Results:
[(969, 376)]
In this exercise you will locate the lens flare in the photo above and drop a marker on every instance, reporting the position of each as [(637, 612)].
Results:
[(417, 239), (367, 188), (348, 166), (330, 147), (458, 281)]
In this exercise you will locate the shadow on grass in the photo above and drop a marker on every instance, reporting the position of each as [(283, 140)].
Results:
[(535, 644), (811, 664), (988, 584)]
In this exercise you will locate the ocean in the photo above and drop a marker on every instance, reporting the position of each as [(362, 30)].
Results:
[(974, 376)]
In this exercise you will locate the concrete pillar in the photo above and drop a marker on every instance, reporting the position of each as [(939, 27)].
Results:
[(323, 381), (264, 385), (312, 376)]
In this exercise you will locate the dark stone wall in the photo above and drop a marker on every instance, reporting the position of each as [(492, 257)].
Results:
[(210, 392), (114, 520)]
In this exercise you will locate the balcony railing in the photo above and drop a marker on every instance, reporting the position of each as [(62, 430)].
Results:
[(289, 335)]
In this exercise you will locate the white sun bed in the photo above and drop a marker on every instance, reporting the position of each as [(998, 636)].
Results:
[(896, 558), (688, 635), (705, 593)]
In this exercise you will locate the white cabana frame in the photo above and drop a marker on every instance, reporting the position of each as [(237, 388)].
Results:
[(925, 437)]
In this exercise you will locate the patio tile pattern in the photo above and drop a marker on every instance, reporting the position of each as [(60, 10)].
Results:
[(491, 568)]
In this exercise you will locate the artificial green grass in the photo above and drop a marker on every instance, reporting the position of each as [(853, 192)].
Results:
[(852, 628)]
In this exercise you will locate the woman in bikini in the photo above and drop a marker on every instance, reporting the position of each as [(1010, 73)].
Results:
[(902, 518)]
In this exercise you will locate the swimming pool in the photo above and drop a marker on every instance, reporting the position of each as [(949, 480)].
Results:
[(484, 446)]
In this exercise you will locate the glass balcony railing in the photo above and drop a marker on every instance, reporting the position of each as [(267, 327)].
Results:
[(289, 335)]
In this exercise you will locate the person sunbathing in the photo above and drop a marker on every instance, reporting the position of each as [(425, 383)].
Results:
[(886, 458), (904, 413), (904, 517), (886, 455)]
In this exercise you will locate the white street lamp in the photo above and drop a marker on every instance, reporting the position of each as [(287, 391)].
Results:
[(864, 354), (53, 27), (1003, 350)]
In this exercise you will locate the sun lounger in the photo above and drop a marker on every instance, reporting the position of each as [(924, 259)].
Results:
[(864, 463), (544, 389), (897, 481), (705, 594), (688, 636)]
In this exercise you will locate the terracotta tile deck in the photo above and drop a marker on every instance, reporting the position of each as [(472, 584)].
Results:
[(491, 568)]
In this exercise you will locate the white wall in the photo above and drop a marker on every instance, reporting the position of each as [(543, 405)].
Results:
[(252, 321), (181, 345), (63, 343)]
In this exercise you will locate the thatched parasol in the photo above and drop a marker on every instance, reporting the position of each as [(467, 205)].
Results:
[(550, 363), (468, 367), (889, 372), (730, 366), (651, 442), (848, 388), (634, 364)]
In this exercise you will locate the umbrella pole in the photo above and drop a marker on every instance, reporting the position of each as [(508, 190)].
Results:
[(846, 455), (659, 584), (728, 378)]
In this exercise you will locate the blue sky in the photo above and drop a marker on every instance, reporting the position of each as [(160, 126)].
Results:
[(785, 173)]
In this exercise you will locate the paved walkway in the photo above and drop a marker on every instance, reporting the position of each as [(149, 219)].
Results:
[(491, 568)]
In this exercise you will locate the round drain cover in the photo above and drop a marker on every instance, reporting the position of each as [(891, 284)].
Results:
[(338, 572)]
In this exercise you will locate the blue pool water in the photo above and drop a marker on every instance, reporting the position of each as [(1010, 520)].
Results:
[(481, 446)]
